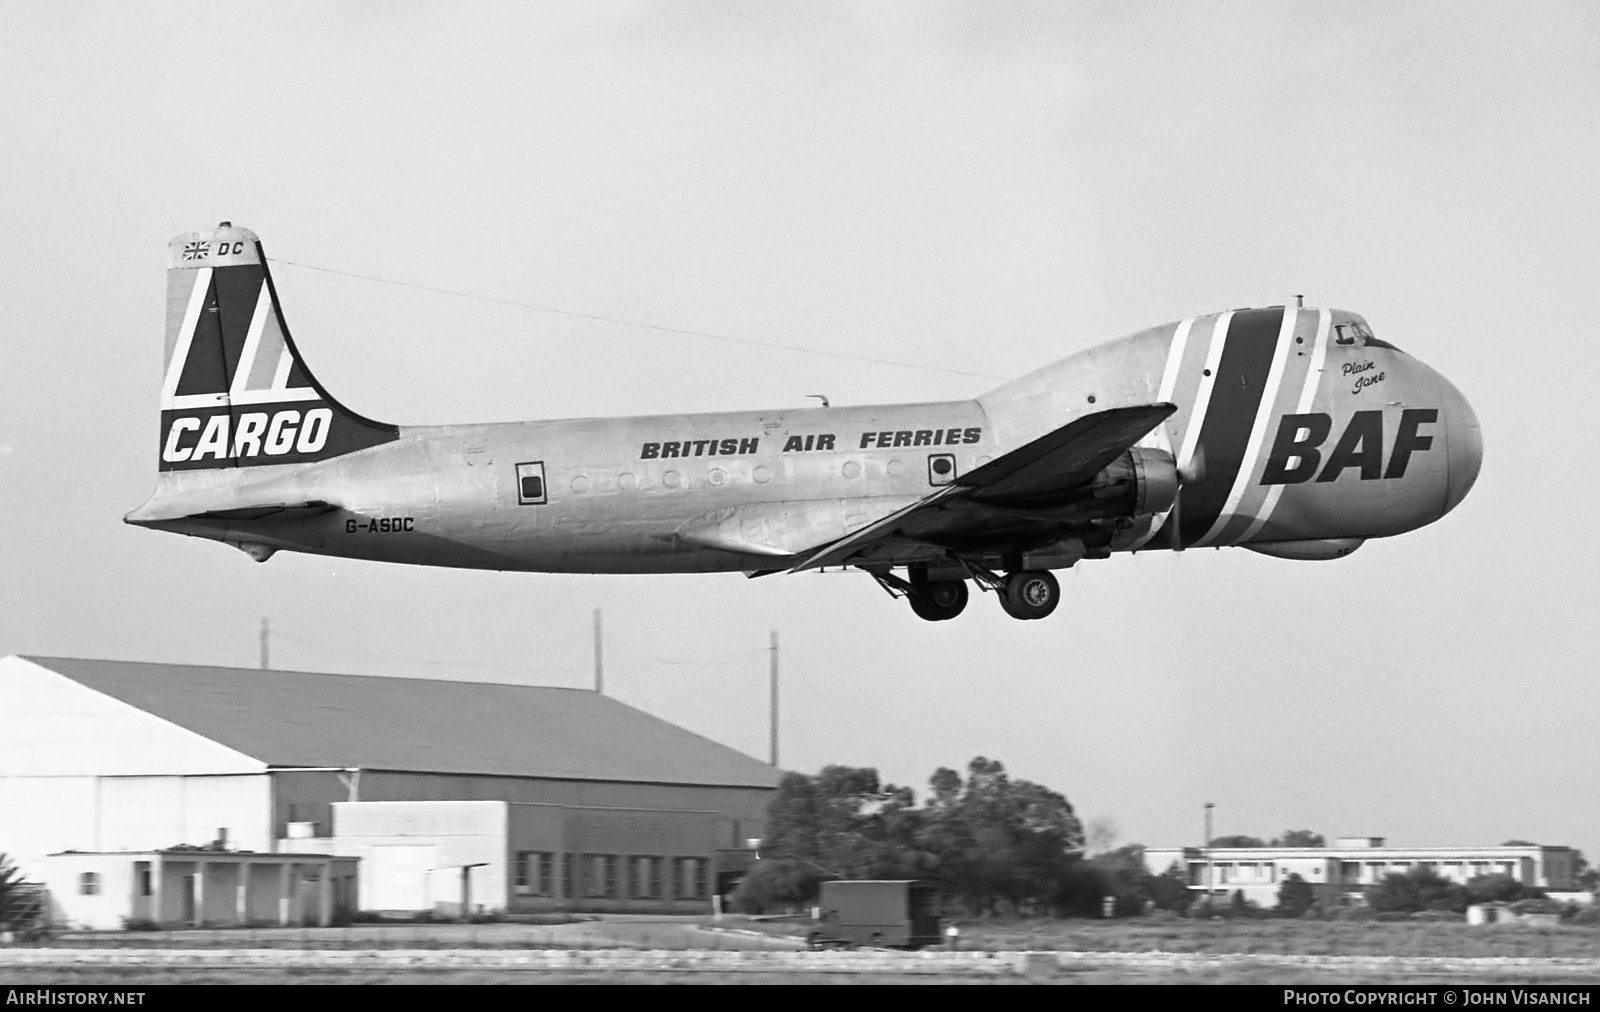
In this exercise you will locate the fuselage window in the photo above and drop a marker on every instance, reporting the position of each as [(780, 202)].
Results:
[(530, 484)]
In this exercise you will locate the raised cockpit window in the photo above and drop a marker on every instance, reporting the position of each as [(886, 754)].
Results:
[(1356, 333), (1352, 332)]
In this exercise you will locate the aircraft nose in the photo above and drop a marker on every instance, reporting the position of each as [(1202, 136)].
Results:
[(1464, 444)]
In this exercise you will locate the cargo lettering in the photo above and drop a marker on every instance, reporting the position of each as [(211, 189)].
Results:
[(256, 434), (1296, 453), (919, 437), (700, 448)]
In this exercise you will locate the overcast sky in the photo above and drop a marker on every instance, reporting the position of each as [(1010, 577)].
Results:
[(979, 188)]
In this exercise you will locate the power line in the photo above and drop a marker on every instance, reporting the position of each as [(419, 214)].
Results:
[(633, 323), (367, 654)]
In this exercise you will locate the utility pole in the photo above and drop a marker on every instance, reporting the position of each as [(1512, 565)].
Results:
[(774, 692), (265, 633), (599, 657), (1209, 807)]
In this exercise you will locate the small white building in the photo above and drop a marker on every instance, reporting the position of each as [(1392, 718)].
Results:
[(1352, 864), (195, 887)]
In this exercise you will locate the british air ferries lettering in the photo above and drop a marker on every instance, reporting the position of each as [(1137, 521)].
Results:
[(815, 442), (700, 448), (920, 437), (1296, 453)]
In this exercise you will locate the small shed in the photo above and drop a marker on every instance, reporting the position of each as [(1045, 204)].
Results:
[(892, 913)]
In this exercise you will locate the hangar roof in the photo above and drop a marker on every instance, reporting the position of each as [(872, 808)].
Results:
[(301, 719)]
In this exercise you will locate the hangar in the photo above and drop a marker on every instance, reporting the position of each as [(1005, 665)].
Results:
[(570, 799)]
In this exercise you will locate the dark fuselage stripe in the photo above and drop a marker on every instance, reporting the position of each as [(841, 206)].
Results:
[(1225, 431)]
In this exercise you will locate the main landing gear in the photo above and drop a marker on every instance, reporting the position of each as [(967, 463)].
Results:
[(1030, 595), (938, 600), (1023, 595)]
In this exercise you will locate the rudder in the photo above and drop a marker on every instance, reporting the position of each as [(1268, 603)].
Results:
[(235, 391)]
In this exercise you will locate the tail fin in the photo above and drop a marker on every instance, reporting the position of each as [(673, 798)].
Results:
[(236, 392)]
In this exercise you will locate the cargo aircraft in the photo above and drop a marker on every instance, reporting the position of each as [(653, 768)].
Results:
[(1289, 431)]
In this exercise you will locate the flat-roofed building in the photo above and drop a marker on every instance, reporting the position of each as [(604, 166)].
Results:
[(121, 756), (1354, 863), (197, 887)]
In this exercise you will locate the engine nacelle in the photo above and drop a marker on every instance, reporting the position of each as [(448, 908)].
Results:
[(1141, 482), (1316, 550)]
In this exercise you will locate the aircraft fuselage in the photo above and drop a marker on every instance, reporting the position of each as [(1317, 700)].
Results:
[(1291, 426)]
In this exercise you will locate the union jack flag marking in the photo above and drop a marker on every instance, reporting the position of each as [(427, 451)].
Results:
[(196, 250)]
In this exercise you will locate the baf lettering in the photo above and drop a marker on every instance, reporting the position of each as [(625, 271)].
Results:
[(1296, 454)]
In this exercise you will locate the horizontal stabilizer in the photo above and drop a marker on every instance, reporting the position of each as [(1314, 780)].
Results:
[(279, 511), (265, 511)]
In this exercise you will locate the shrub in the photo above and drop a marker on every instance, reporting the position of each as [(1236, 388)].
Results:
[(1236, 908), (1170, 890), (1361, 913), (1295, 896), (1437, 916), (1080, 888), (776, 883), (1498, 889), (1418, 889)]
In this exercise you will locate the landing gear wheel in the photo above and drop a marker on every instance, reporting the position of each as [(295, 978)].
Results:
[(938, 600), (1030, 595)]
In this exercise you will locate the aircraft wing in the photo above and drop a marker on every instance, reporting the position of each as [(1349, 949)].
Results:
[(1023, 485)]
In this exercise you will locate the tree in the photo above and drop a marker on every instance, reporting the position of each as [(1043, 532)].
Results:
[(1300, 838), (841, 823), (1125, 878), (1238, 841), (1295, 896), (14, 892), (987, 840), (1418, 889), (995, 839)]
